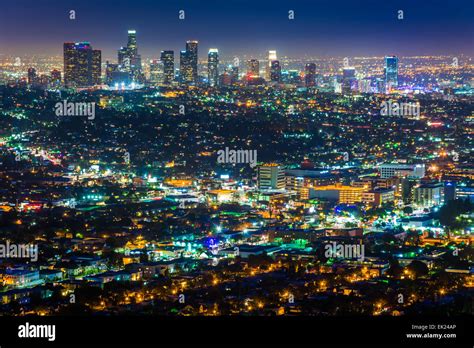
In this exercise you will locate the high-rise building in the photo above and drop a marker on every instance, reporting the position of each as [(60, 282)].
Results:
[(167, 58), (32, 77), (96, 67), (82, 64), (271, 177), (110, 69), (188, 65), (69, 54), (275, 72), (213, 66), (156, 72), (272, 55), (310, 75), (427, 195), (348, 80), (192, 53), (185, 70), (129, 60), (132, 43), (123, 60), (391, 73), (253, 68)]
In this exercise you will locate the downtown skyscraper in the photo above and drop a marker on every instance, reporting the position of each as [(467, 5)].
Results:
[(167, 58), (348, 80), (129, 60), (391, 72), (189, 63), (82, 65), (213, 66), (272, 55)]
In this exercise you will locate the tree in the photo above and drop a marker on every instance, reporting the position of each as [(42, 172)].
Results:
[(418, 268), (395, 270), (449, 213)]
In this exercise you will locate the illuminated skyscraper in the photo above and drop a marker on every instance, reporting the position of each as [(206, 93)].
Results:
[(272, 55), (122, 58), (132, 43), (167, 58), (96, 67), (348, 80), (189, 62), (82, 64), (391, 73), (129, 60), (275, 71), (253, 68), (69, 62), (156, 72), (213, 66), (310, 75), (185, 70), (110, 69), (192, 49)]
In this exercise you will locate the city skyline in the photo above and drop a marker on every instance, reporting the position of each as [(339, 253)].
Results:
[(323, 29), (240, 159)]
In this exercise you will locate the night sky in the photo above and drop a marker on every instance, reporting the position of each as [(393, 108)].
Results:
[(321, 27)]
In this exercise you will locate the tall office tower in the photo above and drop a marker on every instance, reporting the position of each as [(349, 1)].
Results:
[(110, 69), (213, 66), (82, 64), (69, 62), (275, 71), (96, 67), (55, 78), (122, 58), (156, 72), (253, 68), (348, 79), (192, 54), (132, 43), (135, 58), (271, 177), (185, 70), (391, 73), (310, 75), (32, 77), (272, 55), (167, 57), (129, 60)]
